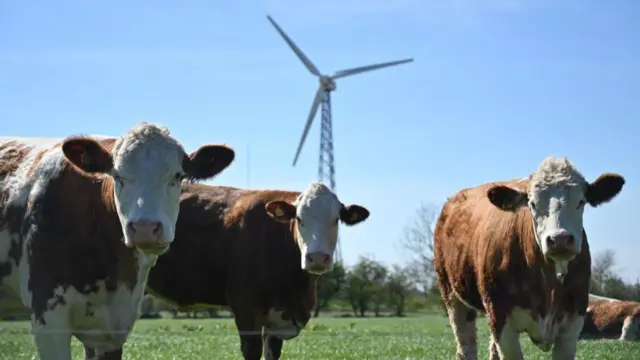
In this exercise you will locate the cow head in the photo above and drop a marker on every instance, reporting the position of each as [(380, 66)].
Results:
[(147, 167), (556, 196), (317, 212)]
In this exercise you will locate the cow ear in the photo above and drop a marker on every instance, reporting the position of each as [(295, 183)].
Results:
[(281, 210), (87, 155), (353, 214), (604, 188), (207, 162), (507, 198)]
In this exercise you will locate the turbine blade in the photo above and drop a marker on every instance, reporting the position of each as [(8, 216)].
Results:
[(305, 60), (358, 70), (314, 108)]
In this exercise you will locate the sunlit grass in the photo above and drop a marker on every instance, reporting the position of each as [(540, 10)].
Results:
[(425, 337)]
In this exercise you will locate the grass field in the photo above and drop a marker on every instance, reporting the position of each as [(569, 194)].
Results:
[(425, 337)]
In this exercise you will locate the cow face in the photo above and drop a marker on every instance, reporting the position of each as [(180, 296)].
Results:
[(147, 167), (556, 196), (317, 212)]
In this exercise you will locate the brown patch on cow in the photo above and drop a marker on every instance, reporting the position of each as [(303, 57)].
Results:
[(605, 318), (490, 259), (238, 256), (13, 155), (76, 240)]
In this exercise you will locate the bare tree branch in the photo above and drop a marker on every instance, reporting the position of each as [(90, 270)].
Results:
[(417, 241)]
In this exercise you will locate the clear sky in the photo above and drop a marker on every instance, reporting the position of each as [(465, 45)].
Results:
[(496, 86)]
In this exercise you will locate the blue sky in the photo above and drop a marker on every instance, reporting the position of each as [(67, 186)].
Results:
[(496, 86)]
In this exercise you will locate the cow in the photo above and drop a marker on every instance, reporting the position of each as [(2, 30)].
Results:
[(82, 220), (517, 252), (259, 252), (608, 318)]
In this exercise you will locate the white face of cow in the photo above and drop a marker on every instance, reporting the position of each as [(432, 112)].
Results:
[(556, 196), (147, 167), (317, 212)]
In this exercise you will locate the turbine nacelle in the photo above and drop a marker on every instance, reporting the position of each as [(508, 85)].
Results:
[(327, 83)]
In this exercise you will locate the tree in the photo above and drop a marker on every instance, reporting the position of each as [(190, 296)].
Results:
[(328, 286), (602, 271), (417, 241), (364, 288), (398, 287)]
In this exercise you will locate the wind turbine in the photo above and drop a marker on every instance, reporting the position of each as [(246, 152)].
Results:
[(326, 167)]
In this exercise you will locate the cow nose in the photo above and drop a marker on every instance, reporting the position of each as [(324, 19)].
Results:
[(318, 259), (561, 240), (145, 233)]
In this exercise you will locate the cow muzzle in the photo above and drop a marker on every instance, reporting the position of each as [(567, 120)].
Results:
[(317, 263), (147, 236), (562, 246)]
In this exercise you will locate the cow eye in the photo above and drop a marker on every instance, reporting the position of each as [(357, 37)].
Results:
[(581, 203), (299, 220), (177, 179)]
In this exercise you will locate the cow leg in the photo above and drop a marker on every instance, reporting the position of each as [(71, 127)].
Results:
[(463, 323), (249, 326), (565, 345), (630, 329), (52, 335), (505, 339), (272, 346), (96, 354)]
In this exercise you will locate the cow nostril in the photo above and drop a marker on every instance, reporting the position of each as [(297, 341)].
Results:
[(326, 259), (131, 228), (550, 242), (309, 258), (158, 229), (570, 240)]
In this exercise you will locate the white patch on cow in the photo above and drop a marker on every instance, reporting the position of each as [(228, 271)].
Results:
[(146, 161), (593, 297), (630, 329), (53, 336), (544, 332), (318, 210), (104, 320), (276, 326), (18, 184), (556, 199)]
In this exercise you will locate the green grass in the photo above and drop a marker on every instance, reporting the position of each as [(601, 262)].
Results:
[(425, 337)]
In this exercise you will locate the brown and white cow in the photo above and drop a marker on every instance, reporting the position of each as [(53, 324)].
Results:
[(258, 252), (609, 318), (65, 207), (517, 251)]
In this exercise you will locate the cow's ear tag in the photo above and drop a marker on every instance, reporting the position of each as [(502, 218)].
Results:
[(279, 212), (84, 158), (354, 217)]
